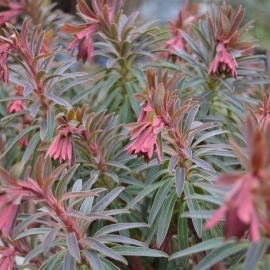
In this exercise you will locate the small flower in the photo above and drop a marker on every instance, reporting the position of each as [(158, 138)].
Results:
[(224, 62), (7, 259)]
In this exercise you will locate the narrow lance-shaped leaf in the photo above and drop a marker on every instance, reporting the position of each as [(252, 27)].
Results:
[(100, 206), (31, 147), (73, 247), (93, 259), (159, 199), (255, 252), (17, 138), (193, 206), (165, 217), (180, 175)]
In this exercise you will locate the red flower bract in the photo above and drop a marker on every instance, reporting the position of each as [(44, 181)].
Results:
[(7, 260), (145, 134), (224, 62), (239, 210)]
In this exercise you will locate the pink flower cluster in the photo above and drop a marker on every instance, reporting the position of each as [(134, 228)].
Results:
[(144, 133), (62, 148)]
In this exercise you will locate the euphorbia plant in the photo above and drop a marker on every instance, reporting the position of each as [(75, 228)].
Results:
[(162, 152)]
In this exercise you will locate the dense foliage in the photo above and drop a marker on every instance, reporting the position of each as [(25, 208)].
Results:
[(128, 146)]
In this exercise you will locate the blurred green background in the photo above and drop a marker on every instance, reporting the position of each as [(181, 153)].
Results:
[(258, 10)]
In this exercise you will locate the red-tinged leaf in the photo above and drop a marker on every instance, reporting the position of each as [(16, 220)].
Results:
[(16, 171), (237, 21), (158, 101), (49, 182), (240, 154), (62, 185), (73, 247), (5, 178), (85, 9), (228, 179), (39, 170), (257, 151), (225, 24)]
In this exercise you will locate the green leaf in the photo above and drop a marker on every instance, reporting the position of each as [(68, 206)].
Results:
[(50, 125), (193, 206), (43, 129), (207, 198), (93, 259), (182, 228), (31, 147), (110, 238), (118, 165), (102, 204), (254, 254), (58, 100), (17, 138), (118, 227), (108, 265), (203, 246), (180, 175), (134, 103), (69, 262), (33, 231), (165, 217), (93, 243), (73, 247), (138, 251), (143, 194), (202, 36), (220, 253), (159, 199), (193, 82), (47, 242), (51, 262)]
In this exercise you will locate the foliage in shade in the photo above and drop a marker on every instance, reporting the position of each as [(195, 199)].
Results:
[(155, 156)]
